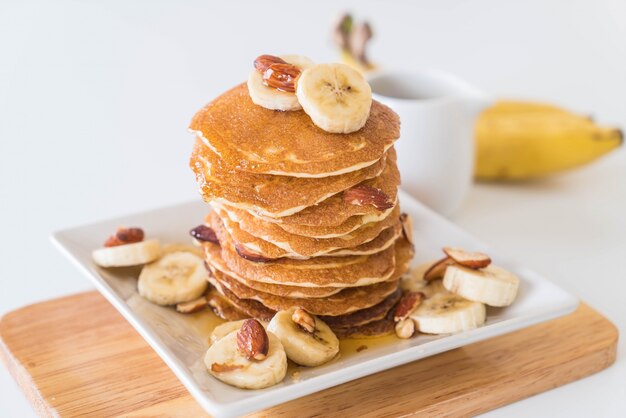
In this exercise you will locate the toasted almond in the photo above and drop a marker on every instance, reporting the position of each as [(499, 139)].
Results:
[(223, 368), (204, 233), (473, 260), (249, 255), (367, 195), (263, 62), (438, 269), (304, 319), (407, 227), (252, 340), (407, 304), (193, 305), (124, 236), (282, 77), (405, 328)]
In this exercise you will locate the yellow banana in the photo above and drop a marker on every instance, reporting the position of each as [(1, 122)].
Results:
[(523, 140)]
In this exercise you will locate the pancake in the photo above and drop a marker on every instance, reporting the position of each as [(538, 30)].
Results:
[(222, 307), (251, 138), (364, 316), (346, 271), (271, 241), (347, 301), (335, 210), (214, 259), (322, 232), (351, 323), (382, 241), (272, 196), (249, 308), (374, 329)]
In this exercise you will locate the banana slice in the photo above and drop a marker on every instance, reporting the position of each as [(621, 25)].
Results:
[(269, 97), (491, 285), (310, 342), (335, 96), (174, 278), (447, 313), (226, 362), (128, 254)]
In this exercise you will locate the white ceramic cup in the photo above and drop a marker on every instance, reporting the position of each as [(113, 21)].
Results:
[(436, 146)]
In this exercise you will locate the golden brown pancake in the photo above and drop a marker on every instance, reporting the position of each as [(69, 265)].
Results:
[(379, 328), (322, 232), (353, 325), (222, 307), (271, 241), (348, 300), (346, 271), (364, 316), (249, 308), (214, 259), (251, 138), (336, 210), (269, 195)]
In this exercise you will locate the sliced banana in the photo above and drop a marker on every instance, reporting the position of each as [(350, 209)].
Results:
[(447, 313), (174, 278), (335, 96), (224, 361), (491, 285), (269, 97), (128, 254), (304, 347)]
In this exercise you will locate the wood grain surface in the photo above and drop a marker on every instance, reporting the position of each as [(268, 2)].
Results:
[(77, 356)]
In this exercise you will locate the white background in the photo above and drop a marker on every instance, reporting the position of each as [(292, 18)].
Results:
[(95, 98)]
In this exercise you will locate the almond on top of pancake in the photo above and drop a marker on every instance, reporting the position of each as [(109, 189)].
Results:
[(254, 139)]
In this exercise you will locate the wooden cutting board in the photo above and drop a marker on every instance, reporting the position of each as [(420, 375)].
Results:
[(77, 356)]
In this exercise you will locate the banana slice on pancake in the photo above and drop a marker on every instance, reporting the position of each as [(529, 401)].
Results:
[(336, 97), (271, 98), (127, 255), (248, 357), (176, 277), (307, 340)]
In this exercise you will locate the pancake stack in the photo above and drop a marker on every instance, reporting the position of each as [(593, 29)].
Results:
[(300, 217)]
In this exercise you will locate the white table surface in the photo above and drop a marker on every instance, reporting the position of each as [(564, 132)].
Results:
[(95, 98)]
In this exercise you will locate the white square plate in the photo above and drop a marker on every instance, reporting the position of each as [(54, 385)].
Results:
[(181, 343)]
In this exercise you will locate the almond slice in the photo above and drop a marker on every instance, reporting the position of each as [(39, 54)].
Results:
[(252, 340), (368, 195), (249, 255), (204, 233), (124, 236), (263, 62), (282, 77), (438, 269), (407, 304), (473, 260)]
